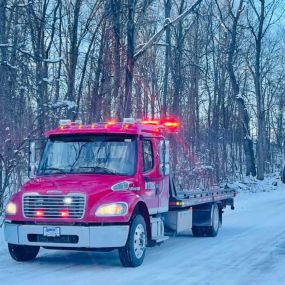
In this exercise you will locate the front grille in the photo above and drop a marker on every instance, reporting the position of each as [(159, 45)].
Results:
[(54, 206)]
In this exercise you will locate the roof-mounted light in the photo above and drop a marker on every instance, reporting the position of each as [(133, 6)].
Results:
[(129, 120), (110, 123), (172, 125), (64, 122), (77, 122), (154, 122)]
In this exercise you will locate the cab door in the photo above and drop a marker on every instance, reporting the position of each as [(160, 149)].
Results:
[(163, 195), (155, 180), (149, 175)]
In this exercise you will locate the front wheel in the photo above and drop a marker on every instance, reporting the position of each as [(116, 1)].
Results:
[(23, 252), (132, 254)]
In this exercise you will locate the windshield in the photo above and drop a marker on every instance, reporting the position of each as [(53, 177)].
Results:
[(100, 154)]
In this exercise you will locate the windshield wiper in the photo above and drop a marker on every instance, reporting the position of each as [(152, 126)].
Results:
[(59, 170), (99, 169)]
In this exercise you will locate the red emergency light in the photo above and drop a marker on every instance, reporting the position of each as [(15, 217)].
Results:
[(39, 213), (170, 124), (64, 213)]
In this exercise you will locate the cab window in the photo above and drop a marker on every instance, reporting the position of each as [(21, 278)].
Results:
[(148, 161)]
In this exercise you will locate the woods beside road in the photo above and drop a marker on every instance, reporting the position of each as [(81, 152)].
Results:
[(217, 65)]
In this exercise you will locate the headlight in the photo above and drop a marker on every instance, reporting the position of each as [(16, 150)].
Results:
[(113, 209), (11, 208)]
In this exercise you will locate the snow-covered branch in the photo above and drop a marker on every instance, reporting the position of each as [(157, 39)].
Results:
[(167, 23)]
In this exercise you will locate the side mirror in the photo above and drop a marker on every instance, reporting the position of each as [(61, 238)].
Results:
[(164, 157), (32, 159), (35, 150)]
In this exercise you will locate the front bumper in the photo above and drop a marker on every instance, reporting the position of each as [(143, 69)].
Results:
[(86, 237)]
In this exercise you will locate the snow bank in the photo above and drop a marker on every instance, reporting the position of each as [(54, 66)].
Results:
[(251, 184), (249, 250)]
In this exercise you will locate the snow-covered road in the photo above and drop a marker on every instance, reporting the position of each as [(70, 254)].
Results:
[(249, 250)]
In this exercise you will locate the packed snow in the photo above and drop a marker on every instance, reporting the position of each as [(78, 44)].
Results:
[(250, 249)]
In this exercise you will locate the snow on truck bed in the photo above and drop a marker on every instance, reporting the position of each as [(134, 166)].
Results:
[(250, 249)]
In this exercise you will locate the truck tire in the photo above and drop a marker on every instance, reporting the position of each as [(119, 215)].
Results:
[(132, 254), (213, 230), (23, 252), (215, 223), (198, 231)]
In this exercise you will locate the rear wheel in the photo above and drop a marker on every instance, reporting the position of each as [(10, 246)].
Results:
[(132, 254), (215, 223), (23, 252), (198, 231)]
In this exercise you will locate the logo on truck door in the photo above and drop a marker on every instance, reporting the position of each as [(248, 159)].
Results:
[(150, 186)]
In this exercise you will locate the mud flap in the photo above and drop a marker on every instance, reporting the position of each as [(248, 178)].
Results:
[(201, 216)]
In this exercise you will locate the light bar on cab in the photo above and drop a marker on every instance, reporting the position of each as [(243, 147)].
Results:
[(171, 125)]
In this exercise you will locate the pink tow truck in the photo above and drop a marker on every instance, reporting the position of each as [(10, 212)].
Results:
[(107, 186)]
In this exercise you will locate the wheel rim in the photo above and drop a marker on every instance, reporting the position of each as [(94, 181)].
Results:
[(139, 241), (216, 218)]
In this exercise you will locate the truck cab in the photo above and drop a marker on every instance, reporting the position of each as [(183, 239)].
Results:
[(96, 187)]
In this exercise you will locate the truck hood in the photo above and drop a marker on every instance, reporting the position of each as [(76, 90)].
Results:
[(88, 184), (96, 187)]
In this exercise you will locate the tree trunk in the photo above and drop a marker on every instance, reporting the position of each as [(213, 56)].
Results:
[(130, 59), (73, 57), (116, 21), (243, 113), (167, 11), (261, 135)]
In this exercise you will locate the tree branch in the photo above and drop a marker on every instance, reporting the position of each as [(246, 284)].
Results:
[(167, 23)]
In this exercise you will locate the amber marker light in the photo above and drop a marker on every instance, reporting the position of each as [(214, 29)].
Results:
[(110, 123), (155, 122)]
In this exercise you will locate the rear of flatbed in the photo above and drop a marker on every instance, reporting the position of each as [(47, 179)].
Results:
[(197, 210)]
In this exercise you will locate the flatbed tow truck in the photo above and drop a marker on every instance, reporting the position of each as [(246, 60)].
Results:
[(107, 186)]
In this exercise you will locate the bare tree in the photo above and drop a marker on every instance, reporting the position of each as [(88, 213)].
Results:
[(232, 30), (263, 14)]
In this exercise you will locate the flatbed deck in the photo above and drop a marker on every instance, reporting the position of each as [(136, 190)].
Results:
[(189, 198)]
